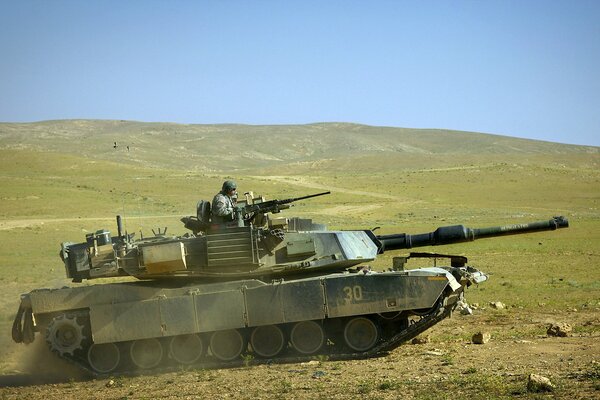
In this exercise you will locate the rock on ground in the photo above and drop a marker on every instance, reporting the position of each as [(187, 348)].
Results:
[(539, 383), (481, 337), (498, 305), (561, 329), (421, 340)]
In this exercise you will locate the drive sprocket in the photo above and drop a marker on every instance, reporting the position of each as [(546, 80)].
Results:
[(65, 334)]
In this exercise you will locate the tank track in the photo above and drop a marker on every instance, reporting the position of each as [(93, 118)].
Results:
[(443, 309)]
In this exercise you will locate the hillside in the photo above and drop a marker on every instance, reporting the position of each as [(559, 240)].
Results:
[(249, 147)]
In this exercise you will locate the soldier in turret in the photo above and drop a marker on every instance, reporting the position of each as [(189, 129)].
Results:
[(223, 204)]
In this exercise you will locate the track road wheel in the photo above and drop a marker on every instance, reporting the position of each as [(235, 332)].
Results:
[(227, 345), (146, 353), (186, 349), (64, 334), (267, 341), (361, 334), (104, 358), (307, 337)]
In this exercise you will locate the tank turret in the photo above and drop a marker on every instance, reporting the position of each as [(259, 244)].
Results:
[(254, 244), (261, 285)]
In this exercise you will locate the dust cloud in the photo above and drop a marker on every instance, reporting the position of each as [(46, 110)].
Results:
[(35, 365)]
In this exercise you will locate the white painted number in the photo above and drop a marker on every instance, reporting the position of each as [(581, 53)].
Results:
[(353, 293)]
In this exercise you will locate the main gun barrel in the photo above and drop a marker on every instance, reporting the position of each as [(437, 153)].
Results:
[(460, 233)]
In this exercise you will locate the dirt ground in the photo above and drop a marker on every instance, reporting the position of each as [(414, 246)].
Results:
[(448, 366)]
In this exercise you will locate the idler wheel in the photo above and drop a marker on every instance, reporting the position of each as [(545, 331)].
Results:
[(104, 358), (307, 337), (186, 349), (360, 334), (267, 341), (64, 334), (146, 353), (227, 345)]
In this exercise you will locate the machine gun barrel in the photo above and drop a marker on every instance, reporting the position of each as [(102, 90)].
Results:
[(276, 205), (302, 198), (460, 233)]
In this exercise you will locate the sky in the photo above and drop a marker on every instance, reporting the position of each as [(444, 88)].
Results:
[(522, 68)]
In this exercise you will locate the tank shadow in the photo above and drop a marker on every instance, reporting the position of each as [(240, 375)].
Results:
[(16, 380)]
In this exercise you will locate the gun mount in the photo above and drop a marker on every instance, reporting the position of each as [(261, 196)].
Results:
[(276, 288)]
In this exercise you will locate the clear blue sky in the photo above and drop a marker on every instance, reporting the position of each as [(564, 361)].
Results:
[(519, 68)]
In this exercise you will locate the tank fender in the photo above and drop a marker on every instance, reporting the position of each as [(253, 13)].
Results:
[(168, 315), (23, 326), (454, 284)]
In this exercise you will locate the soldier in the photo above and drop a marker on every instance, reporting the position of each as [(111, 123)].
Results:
[(223, 203)]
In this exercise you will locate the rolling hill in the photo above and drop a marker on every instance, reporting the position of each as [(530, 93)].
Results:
[(261, 148)]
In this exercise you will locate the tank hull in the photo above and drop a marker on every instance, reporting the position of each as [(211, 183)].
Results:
[(115, 328)]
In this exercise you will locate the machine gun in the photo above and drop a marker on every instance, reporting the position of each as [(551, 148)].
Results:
[(272, 206), (242, 215)]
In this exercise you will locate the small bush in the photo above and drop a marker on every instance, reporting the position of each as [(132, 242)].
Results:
[(285, 386), (387, 385), (364, 387)]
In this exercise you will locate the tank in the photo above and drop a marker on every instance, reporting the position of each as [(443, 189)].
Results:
[(257, 288)]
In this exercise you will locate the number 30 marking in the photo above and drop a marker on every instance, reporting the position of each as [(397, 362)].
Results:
[(353, 293)]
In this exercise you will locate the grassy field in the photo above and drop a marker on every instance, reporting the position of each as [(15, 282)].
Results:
[(52, 194)]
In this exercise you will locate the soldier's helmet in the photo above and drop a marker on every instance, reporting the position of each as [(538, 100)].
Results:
[(228, 186)]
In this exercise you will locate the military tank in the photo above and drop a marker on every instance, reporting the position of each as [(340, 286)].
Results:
[(256, 288)]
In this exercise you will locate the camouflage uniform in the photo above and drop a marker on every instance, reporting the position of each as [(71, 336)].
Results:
[(222, 208), (223, 203)]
